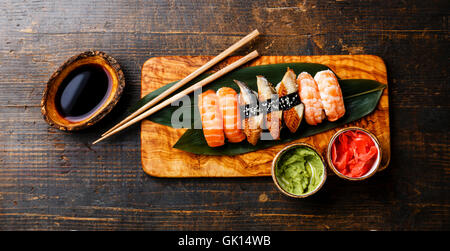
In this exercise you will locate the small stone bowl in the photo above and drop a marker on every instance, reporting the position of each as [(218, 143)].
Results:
[(372, 170), (274, 166)]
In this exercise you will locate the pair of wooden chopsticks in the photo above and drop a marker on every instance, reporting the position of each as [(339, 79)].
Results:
[(141, 113)]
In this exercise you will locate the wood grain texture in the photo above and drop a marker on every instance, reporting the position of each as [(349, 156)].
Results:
[(160, 159), (53, 180)]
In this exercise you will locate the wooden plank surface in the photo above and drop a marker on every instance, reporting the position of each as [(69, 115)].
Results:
[(52, 180), (160, 159)]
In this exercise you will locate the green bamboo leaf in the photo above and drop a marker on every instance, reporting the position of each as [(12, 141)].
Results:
[(359, 102), (361, 97)]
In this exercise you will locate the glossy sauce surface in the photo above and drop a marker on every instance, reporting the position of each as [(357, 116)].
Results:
[(82, 92)]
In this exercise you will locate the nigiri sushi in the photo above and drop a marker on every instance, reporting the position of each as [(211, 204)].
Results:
[(310, 96), (273, 118), (229, 108), (208, 104), (292, 117), (330, 94), (252, 124)]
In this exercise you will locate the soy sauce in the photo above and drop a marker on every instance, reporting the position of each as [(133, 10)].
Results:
[(82, 92)]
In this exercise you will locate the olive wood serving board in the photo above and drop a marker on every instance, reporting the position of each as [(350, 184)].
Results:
[(161, 160)]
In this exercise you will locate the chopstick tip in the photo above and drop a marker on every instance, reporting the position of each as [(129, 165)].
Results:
[(98, 140)]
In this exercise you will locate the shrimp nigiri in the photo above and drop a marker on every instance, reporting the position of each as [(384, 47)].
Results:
[(208, 104), (292, 117), (273, 118), (229, 108), (310, 96), (330, 94), (251, 125)]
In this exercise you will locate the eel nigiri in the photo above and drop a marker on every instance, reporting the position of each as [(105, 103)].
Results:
[(330, 94), (292, 117), (273, 118), (208, 104), (251, 125), (229, 108), (310, 96)]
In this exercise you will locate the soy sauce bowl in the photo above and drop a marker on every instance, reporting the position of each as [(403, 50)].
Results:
[(375, 165), (72, 77), (280, 155)]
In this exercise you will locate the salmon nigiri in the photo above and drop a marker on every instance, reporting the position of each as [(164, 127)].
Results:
[(212, 122), (330, 94), (310, 96), (292, 117), (252, 124), (229, 108)]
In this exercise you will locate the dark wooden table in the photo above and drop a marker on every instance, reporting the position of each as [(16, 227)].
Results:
[(52, 180)]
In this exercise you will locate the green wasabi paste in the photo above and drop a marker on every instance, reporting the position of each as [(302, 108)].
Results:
[(299, 170)]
